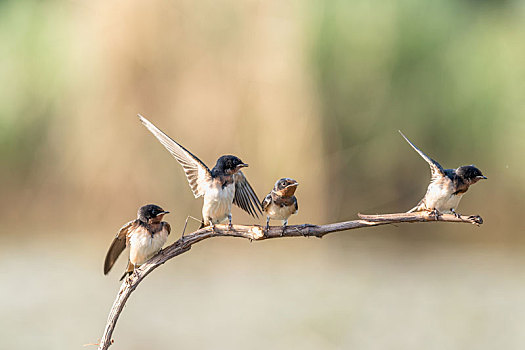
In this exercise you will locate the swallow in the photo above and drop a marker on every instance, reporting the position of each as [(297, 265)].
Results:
[(145, 237), (446, 187), (221, 186), (281, 203)]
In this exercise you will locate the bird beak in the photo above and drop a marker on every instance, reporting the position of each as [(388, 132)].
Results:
[(293, 184), (482, 177), (243, 165), (163, 213)]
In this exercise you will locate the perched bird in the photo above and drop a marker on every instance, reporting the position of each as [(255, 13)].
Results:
[(280, 203), (145, 236), (446, 187), (221, 186)]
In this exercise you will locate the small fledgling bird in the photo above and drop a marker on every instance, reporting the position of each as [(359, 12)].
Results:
[(281, 203), (446, 187), (221, 186), (145, 237)]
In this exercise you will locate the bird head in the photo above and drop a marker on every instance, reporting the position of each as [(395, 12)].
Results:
[(285, 187), (151, 213), (470, 174), (229, 164)]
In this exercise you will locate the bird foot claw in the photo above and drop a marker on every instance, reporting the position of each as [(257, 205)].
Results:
[(435, 214)]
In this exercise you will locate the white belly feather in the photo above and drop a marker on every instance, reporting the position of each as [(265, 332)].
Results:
[(276, 212), (143, 245), (218, 202), (441, 198), (451, 203)]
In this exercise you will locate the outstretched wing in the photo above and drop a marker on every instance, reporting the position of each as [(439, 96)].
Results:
[(245, 197), (117, 246), (196, 171), (435, 167)]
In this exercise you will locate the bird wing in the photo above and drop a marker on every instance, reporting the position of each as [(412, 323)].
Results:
[(266, 201), (118, 245), (245, 197), (197, 172), (167, 227), (435, 167)]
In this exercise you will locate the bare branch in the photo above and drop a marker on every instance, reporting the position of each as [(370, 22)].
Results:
[(257, 233)]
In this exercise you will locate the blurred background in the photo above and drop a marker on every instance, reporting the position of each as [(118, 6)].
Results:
[(314, 90)]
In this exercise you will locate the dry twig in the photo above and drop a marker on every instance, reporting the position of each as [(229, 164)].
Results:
[(256, 233)]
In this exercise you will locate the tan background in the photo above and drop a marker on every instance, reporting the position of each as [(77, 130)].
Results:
[(312, 90)]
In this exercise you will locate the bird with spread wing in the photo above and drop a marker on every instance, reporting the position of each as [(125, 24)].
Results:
[(220, 187)]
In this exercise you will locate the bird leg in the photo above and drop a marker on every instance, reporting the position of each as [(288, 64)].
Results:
[(267, 225), (230, 226), (285, 222), (435, 213), (212, 225), (455, 214)]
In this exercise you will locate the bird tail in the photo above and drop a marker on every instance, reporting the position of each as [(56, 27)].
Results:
[(419, 207), (128, 271), (413, 209), (126, 274)]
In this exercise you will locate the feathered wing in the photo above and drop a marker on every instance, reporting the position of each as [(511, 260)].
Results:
[(266, 201), (167, 227), (117, 246), (245, 197), (435, 167), (197, 172)]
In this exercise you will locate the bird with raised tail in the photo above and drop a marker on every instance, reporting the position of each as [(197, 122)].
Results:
[(221, 186), (446, 187)]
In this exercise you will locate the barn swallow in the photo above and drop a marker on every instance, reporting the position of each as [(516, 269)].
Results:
[(446, 187), (281, 203), (145, 236), (221, 186)]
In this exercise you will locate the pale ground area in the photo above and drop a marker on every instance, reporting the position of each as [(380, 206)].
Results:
[(351, 290)]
